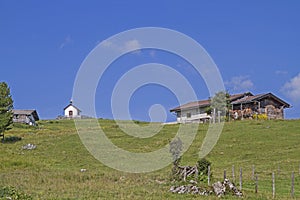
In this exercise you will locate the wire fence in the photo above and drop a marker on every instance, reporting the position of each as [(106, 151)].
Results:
[(276, 184)]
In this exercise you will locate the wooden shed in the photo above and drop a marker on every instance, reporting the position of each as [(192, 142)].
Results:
[(25, 116), (268, 104)]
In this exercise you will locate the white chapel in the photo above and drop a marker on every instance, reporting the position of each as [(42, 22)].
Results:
[(71, 111)]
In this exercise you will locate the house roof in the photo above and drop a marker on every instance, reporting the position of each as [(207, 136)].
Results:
[(206, 103), (71, 104), (246, 97), (191, 105), (250, 99), (234, 97), (26, 112)]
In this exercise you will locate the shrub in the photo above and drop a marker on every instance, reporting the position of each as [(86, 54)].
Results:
[(8, 192), (202, 165), (136, 122), (260, 116), (11, 139)]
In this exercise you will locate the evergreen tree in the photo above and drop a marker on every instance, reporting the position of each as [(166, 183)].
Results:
[(6, 106)]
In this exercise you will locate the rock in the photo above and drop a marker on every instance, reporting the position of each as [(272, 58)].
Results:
[(29, 147), (219, 188), (189, 189), (233, 188)]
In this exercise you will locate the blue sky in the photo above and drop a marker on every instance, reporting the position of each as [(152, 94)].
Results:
[(255, 45)]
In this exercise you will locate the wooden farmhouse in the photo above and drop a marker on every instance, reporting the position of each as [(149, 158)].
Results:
[(71, 111), (25, 116), (245, 105), (268, 104)]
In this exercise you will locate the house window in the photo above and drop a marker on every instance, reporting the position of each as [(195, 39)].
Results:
[(70, 113), (188, 115), (201, 111)]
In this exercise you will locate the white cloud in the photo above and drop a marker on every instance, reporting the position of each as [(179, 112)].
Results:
[(292, 89), (67, 41), (239, 84), (130, 45), (281, 72)]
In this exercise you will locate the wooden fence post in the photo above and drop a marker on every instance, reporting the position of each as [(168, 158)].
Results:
[(208, 175), (293, 185), (241, 179), (233, 174), (273, 184), (256, 184), (253, 172)]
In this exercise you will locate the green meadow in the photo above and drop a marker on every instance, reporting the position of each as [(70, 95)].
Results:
[(53, 169)]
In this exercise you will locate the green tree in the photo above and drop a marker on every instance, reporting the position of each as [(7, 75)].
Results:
[(6, 106), (221, 102)]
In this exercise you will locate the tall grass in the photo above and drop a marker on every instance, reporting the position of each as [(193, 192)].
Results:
[(52, 170)]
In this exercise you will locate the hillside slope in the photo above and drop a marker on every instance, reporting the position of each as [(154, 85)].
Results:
[(53, 169)]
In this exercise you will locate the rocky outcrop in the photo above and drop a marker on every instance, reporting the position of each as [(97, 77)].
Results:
[(222, 188), (219, 189), (190, 189)]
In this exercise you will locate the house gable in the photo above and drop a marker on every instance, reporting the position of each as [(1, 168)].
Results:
[(71, 104), (71, 111)]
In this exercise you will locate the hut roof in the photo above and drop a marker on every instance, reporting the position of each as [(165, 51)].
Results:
[(250, 99), (206, 103), (26, 112)]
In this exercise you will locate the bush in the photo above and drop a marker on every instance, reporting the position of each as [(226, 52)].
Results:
[(203, 166), (260, 116), (8, 192), (11, 139)]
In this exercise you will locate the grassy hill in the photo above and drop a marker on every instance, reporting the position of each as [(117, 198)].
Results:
[(52, 170)]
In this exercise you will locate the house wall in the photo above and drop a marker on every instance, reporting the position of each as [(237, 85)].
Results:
[(272, 108), (27, 119), (274, 113), (269, 101), (192, 115), (253, 106), (75, 111)]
